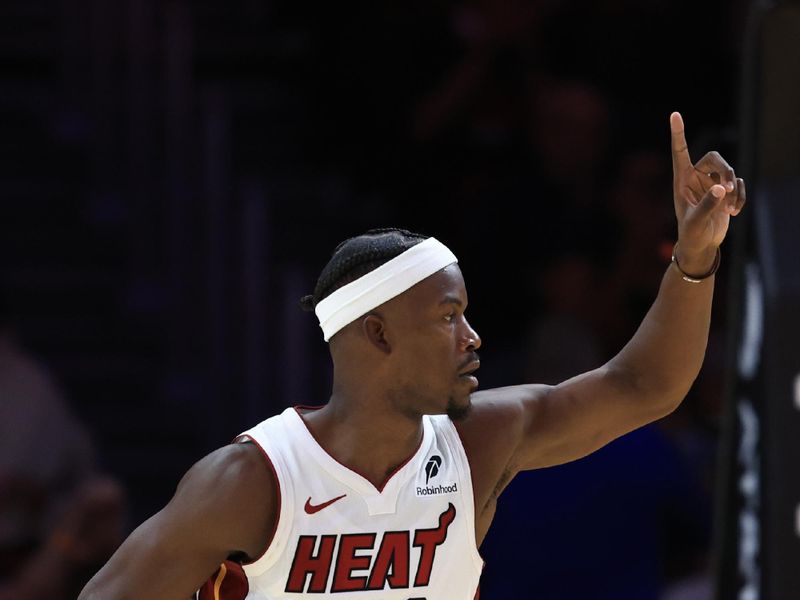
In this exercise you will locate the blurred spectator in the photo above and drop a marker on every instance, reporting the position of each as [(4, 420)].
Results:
[(562, 342), (58, 519), (570, 137), (640, 201), (567, 170), (482, 91)]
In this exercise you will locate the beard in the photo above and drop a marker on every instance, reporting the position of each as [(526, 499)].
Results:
[(414, 401), (458, 412)]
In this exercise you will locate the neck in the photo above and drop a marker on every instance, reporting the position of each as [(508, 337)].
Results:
[(363, 432)]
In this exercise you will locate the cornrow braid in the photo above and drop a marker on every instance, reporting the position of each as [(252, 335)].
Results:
[(356, 257)]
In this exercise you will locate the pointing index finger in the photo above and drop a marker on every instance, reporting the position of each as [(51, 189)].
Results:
[(680, 150)]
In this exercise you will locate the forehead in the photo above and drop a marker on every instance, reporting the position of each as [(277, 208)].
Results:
[(447, 283)]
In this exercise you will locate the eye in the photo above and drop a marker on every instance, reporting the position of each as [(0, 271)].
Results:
[(449, 317)]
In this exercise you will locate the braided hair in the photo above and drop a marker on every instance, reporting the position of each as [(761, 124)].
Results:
[(357, 256)]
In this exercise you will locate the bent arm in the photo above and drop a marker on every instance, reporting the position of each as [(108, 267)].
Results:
[(224, 505), (539, 426)]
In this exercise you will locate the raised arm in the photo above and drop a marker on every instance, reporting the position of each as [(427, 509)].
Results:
[(548, 425), (224, 505)]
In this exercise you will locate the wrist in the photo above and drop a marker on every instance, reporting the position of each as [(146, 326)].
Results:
[(695, 262), (698, 265)]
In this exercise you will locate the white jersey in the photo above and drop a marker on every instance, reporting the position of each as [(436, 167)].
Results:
[(338, 536)]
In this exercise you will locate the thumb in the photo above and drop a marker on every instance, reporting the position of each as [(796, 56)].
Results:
[(710, 201)]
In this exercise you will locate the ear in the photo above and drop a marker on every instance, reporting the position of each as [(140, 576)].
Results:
[(374, 329)]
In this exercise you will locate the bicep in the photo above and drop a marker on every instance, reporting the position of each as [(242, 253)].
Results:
[(224, 505)]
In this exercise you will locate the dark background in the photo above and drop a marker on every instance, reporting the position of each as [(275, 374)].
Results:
[(174, 175)]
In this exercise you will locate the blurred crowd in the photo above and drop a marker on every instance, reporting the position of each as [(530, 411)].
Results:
[(532, 137), (60, 518)]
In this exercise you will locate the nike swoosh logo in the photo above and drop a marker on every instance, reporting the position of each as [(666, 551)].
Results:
[(315, 508)]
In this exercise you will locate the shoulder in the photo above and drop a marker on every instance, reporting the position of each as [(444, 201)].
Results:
[(499, 412), (234, 492), (236, 468), (492, 432)]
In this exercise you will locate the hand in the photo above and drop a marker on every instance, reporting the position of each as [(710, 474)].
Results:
[(706, 195)]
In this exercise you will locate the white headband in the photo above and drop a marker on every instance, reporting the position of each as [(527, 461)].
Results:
[(392, 278)]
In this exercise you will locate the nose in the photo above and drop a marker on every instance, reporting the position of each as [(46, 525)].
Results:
[(472, 341)]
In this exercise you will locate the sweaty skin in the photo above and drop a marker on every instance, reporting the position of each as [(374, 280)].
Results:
[(412, 356)]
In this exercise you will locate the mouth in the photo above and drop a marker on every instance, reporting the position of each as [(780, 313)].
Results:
[(470, 368), (467, 373)]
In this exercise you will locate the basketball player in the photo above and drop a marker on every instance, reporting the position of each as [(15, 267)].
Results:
[(388, 490)]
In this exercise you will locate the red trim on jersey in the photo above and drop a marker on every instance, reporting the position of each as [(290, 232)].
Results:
[(388, 477), (475, 509), (228, 583), (246, 438)]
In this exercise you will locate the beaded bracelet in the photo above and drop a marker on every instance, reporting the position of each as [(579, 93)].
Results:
[(698, 278)]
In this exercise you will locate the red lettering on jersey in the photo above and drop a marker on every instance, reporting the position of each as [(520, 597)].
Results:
[(428, 540), (347, 561), (306, 562), (392, 555), (391, 564)]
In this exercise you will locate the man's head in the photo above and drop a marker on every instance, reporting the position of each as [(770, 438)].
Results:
[(415, 347), (357, 256)]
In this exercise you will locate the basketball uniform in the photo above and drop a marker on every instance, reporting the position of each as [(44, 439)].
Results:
[(338, 536)]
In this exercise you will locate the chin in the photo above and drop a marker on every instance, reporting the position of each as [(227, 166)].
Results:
[(458, 411)]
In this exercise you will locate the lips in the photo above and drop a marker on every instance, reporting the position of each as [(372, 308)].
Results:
[(470, 368)]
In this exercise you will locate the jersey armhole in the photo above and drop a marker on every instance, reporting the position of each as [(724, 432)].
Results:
[(251, 562), (455, 438)]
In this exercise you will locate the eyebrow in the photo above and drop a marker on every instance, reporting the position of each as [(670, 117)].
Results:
[(451, 300)]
